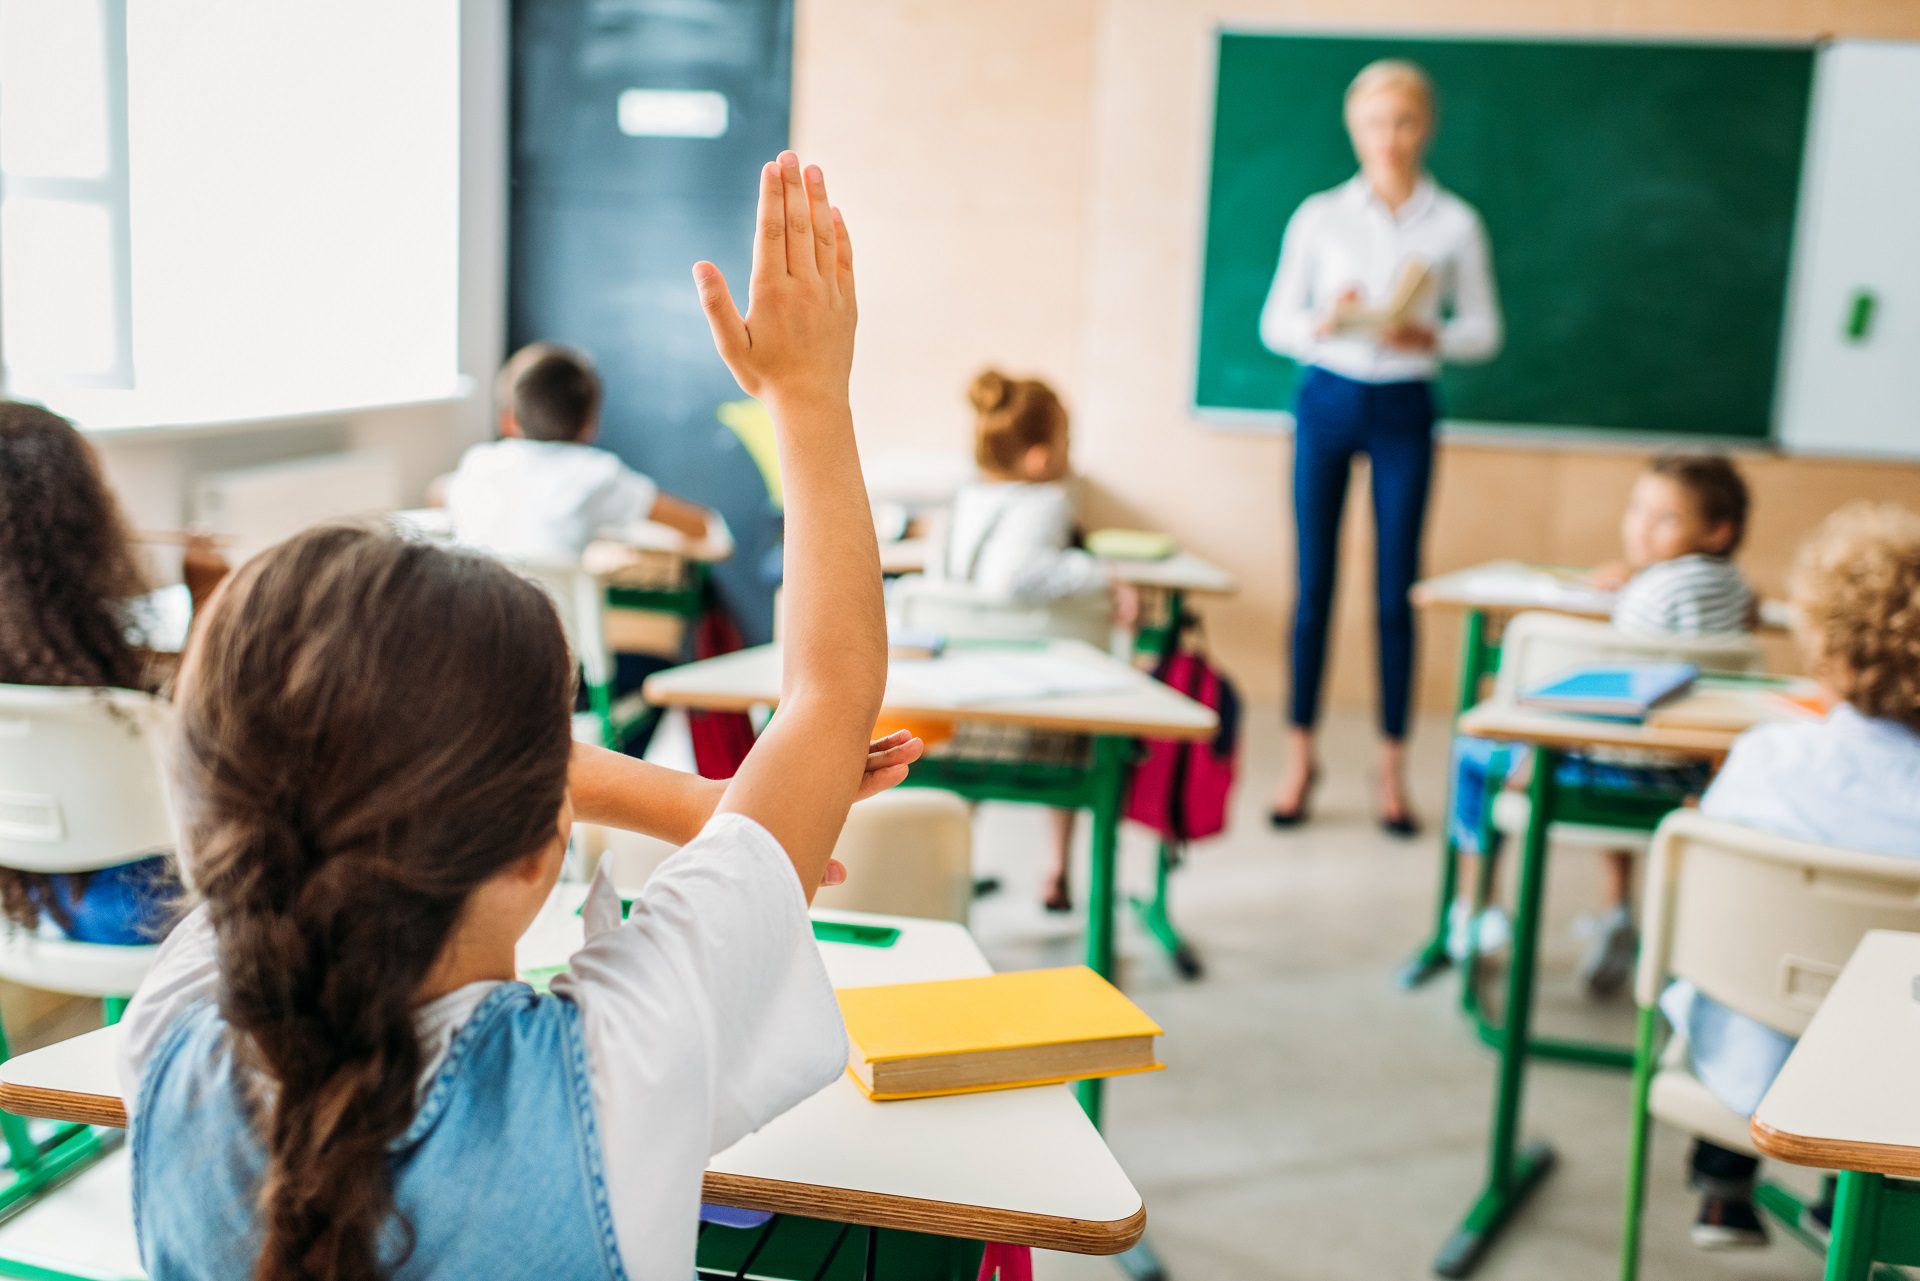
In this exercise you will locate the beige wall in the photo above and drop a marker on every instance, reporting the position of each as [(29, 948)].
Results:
[(1025, 183)]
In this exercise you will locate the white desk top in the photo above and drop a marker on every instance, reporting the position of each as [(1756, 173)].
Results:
[(1183, 571), (1132, 702), (1021, 1166), (1703, 722), (1509, 586), (1846, 1098)]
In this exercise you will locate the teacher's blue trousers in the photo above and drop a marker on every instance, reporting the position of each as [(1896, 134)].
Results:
[(1392, 424)]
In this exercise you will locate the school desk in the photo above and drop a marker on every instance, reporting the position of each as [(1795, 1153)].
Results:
[(1069, 751), (1164, 585), (935, 1176), (1700, 725), (1846, 1101), (1485, 596)]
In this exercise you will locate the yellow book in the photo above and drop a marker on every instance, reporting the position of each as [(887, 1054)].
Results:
[(960, 1036)]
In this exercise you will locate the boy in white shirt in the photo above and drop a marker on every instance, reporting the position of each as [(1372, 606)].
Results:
[(1851, 780), (543, 491)]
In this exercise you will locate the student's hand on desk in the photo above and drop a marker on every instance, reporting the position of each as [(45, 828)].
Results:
[(1612, 576), (796, 340)]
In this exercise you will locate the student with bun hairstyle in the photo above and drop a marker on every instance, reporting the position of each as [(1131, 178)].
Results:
[(1012, 531), (332, 1072), (71, 614)]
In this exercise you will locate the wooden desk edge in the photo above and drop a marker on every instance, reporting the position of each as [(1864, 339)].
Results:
[(1707, 744), (1834, 1154), (707, 702), (868, 1209), (938, 1218), (63, 1105)]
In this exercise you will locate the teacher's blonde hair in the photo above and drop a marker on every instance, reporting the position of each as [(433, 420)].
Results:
[(1391, 73)]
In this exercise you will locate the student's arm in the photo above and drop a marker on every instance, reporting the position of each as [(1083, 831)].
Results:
[(794, 351), (1474, 332), (612, 789), (677, 513)]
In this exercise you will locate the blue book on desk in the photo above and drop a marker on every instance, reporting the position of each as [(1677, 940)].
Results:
[(1625, 691)]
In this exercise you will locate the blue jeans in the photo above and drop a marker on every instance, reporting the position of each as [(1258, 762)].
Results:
[(1392, 424)]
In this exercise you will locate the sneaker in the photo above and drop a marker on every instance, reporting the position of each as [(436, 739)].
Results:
[(1728, 1223), (1607, 967), (1491, 933)]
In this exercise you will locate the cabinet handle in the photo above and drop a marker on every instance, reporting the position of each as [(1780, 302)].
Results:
[(1860, 315)]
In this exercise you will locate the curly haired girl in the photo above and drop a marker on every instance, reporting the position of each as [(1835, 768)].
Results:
[(69, 615)]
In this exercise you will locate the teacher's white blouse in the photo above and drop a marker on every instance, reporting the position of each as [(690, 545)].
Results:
[(1346, 238)]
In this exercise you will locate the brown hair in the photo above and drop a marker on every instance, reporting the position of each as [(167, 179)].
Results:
[(67, 579), (1855, 591), (369, 730), (1015, 415), (553, 391), (1715, 486)]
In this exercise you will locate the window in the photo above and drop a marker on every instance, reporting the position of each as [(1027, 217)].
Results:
[(64, 282), (229, 206)]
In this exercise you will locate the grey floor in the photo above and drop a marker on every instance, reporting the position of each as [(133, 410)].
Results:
[(1315, 1124)]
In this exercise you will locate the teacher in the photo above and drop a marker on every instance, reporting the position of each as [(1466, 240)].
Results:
[(1380, 279)]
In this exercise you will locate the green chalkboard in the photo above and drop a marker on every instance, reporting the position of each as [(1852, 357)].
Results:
[(1639, 199)]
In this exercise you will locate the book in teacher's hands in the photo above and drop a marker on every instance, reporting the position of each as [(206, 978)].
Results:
[(1624, 691), (961, 1036)]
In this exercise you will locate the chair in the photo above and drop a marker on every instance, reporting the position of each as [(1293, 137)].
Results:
[(580, 599), (907, 853), (1763, 925), (952, 608), (1537, 647), (82, 787)]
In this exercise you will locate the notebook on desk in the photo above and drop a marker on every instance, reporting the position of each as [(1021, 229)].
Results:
[(1625, 691), (963, 1036)]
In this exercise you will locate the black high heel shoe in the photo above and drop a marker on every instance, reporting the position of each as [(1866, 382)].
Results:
[(1406, 826), (1282, 819)]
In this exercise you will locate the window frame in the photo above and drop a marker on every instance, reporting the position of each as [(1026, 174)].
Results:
[(109, 192)]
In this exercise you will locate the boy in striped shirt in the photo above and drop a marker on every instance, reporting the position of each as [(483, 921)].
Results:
[(1684, 520)]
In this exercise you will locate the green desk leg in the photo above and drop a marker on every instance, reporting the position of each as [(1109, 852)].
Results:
[(1477, 661), (1513, 1170), (1109, 779), (1156, 917)]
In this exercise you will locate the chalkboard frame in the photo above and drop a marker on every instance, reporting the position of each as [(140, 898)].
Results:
[(1469, 427)]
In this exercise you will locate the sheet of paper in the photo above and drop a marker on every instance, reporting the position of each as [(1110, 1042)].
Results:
[(998, 676)]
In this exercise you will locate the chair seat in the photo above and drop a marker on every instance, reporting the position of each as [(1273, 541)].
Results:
[(1679, 1099), (1512, 810), (78, 969)]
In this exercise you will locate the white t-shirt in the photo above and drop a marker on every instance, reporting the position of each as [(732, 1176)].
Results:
[(1346, 238), (705, 1015), (1012, 538), (544, 500)]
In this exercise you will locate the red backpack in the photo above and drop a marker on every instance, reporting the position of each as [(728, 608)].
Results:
[(1181, 789)]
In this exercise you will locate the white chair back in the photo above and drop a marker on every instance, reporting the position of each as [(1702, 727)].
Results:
[(1537, 647), (1760, 923), (950, 608), (580, 600), (908, 852), (82, 783)]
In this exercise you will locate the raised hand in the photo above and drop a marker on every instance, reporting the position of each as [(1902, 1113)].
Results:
[(796, 341)]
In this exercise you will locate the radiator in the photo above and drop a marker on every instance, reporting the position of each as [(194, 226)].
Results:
[(257, 507)]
